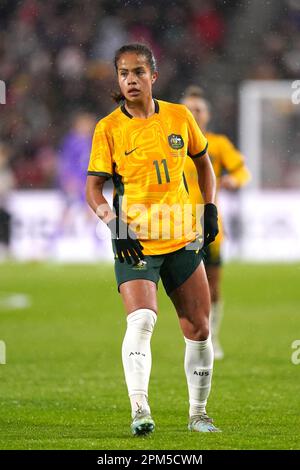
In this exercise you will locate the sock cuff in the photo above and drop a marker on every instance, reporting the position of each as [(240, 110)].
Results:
[(142, 312), (197, 344), (144, 318)]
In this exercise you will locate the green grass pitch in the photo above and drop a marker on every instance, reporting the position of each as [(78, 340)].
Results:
[(63, 387)]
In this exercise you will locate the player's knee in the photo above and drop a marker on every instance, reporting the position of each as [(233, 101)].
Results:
[(198, 335), (142, 319), (199, 330), (203, 333)]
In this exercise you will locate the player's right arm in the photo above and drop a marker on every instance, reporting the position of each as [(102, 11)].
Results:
[(99, 170), (96, 200), (127, 247)]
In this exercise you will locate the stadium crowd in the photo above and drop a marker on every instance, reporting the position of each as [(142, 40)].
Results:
[(56, 61)]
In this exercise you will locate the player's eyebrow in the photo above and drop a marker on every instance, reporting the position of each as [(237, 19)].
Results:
[(135, 69)]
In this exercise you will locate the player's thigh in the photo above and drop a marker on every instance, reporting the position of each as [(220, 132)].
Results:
[(138, 285), (192, 298), (139, 293)]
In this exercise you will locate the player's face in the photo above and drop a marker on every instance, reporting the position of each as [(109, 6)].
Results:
[(135, 77), (199, 109)]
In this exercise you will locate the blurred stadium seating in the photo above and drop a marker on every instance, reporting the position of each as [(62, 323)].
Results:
[(56, 62), (56, 58)]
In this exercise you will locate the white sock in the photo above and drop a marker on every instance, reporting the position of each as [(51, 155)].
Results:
[(216, 316), (198, 366), (136, 356)]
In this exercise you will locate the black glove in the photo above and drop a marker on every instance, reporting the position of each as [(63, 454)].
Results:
[(125, 242), (211, 229)]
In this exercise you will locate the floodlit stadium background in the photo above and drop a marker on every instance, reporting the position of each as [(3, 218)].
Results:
[(56, 64), (61, 319)]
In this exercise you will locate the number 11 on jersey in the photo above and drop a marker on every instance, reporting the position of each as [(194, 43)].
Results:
[(158, 173)]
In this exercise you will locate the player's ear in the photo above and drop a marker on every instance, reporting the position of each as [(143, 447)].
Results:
[(154, 77)]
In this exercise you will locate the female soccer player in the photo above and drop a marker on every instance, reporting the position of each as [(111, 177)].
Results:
[(231, 173), (143, 145)]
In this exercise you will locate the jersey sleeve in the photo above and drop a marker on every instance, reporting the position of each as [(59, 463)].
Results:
[(197, 144), (233, 161), (100, 163)]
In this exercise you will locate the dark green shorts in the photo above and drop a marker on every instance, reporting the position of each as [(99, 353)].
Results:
[(173, 268)]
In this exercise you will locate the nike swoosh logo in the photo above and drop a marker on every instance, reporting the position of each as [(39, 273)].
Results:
[(127, 153)]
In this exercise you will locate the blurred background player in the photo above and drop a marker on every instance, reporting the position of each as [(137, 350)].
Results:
[(231, 173), (74, 155), (73, 158), (7, 182)]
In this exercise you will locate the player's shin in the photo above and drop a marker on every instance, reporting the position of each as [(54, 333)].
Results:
[(198, 365), (136, 356)]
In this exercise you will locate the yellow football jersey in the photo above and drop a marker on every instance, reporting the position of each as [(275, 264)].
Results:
[(146, 159), (225, 158)]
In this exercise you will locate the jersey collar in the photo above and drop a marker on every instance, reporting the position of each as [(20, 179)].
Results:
[(124, 110)]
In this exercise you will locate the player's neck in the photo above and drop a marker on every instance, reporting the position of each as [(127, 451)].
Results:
[(143, 109)]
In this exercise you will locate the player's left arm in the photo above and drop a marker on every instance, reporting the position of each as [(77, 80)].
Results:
[(207, 184), (197, 150), (206, 178), (233, 162)]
